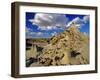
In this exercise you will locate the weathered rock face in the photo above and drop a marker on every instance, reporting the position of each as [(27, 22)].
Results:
[(68, 48), (31, 53)]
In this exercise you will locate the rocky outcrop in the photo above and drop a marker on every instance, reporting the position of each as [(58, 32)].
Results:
[(70, 47), (32, 53)]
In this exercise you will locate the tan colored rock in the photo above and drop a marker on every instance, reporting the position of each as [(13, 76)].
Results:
[(31, 53), (68, 48)]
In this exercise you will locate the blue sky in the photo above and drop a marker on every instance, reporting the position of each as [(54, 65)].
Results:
[(46, 25)]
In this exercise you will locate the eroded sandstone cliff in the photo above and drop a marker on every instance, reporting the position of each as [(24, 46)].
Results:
[(70, 47)]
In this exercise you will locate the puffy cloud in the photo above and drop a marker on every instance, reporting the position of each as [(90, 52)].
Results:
[(31, 34), (79, 22), (52, 21), (47, 21), (76, 20), (54, 33), (28, 30), (86, 19)]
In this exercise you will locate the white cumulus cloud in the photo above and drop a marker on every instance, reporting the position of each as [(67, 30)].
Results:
[(31, 34), (80, 22), (54, 33), (47, 21), (86, 19)]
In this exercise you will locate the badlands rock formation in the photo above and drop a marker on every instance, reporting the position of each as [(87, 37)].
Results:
[(70, 47)]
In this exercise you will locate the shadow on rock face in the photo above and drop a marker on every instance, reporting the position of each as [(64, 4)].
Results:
[(74, 53), (30, 61)]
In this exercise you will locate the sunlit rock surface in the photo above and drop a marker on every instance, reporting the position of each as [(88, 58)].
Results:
[(68, 48)]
